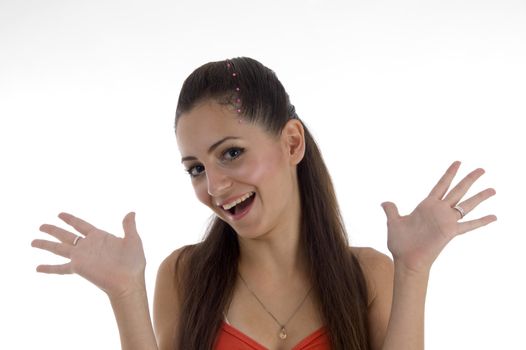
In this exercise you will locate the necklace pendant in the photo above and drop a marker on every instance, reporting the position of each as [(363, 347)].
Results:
[(283, 333)]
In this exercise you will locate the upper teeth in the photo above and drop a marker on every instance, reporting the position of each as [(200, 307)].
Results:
[(237, 201)]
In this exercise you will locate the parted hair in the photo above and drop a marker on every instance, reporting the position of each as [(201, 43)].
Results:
[(207, 271)]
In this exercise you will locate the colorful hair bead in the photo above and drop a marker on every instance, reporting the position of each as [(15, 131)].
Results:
[(237, 103)]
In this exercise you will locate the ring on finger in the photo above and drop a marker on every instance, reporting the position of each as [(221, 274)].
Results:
[(460, 210), (76, 240)]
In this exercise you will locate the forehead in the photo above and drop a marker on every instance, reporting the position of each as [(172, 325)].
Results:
[(209, 122)]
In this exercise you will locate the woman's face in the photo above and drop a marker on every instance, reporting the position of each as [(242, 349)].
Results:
[(244, 174)]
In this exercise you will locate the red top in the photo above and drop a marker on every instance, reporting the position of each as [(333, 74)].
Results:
[(230, 338)]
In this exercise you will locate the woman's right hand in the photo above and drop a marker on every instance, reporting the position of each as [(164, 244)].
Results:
[(115, 265)]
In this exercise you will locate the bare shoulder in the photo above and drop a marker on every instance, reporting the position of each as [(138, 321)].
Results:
[(166, 304), (166, 274), (167, 267), (377, 267), (371, 258)]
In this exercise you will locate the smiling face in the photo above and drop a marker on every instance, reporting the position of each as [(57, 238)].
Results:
[(244, 174)]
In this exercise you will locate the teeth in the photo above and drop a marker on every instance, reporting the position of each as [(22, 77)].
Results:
[(237, 201)]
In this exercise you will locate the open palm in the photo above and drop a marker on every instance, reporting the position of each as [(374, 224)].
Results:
[(115, 265), (416, 240)]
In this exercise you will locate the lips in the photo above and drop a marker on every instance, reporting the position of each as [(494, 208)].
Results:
[(241, 207), (227, 205)]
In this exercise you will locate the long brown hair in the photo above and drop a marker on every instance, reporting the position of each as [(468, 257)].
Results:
[(210, 267)]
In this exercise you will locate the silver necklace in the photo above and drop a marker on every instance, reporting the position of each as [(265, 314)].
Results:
[(283, 331)]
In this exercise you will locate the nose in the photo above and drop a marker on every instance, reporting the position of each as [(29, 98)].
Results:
[(218, 182)]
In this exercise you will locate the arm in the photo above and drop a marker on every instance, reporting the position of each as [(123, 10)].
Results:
[(133, 319), (115, 265), (396, 302), (406, 324), (415, 241)]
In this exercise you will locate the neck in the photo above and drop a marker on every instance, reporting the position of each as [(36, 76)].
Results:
[(280, 256), (279, 253)]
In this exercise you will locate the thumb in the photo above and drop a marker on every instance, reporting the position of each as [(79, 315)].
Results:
[(390, 209), (128, 223)]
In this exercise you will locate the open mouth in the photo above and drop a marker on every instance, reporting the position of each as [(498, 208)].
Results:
[(242, 207)]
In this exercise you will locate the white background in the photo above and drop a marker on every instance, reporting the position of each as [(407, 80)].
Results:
[(394, 91)]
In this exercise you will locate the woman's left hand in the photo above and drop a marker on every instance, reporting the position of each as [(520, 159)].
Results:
[(416, 240)]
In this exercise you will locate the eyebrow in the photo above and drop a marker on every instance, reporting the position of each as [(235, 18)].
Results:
[(211, 148)]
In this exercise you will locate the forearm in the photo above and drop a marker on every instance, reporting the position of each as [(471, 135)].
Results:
[(134, 322), (406, 323)]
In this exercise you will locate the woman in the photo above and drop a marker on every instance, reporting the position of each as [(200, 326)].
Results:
[(275, 270)]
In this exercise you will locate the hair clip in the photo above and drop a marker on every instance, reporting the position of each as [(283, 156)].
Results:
[(237, 103)]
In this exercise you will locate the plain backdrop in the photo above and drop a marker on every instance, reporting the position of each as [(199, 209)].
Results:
[(393, 91)]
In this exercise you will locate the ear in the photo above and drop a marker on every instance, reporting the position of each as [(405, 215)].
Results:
[(293, 139)]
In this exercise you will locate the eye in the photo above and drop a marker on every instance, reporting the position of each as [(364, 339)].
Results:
[(233, 153), (195, 170)]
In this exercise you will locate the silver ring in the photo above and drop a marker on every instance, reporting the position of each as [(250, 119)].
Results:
[(460, 210), (76, 240)]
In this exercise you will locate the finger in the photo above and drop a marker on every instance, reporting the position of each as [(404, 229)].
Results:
[(63, 269), (474, 224), (443, 184), (390, 209), (59, 233), (78, 224), (470, 203), (457, 192), (53, 247), (130, 228)]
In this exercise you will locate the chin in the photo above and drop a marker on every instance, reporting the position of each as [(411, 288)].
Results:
[(250, 235)]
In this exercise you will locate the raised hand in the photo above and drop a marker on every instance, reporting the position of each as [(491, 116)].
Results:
[(115, 265), (416, 240)]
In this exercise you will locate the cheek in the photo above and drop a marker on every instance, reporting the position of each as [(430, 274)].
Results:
[(201, 192), (262, 170)]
